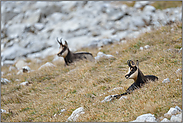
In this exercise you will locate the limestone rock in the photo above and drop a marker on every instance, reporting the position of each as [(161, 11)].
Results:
[(75, 114), (166, 80), (4, 81), (145, 118)]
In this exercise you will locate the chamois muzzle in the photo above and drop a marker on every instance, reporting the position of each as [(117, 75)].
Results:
[(127, 76), (59, 54)]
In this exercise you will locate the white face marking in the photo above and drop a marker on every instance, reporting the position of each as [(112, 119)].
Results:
[(64, 54), (134, 75)]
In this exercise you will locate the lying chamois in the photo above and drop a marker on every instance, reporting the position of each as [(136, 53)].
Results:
[(70, 57), (138, 77)]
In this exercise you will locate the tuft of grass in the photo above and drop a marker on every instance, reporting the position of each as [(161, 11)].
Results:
[(166, 4), (86, 84)]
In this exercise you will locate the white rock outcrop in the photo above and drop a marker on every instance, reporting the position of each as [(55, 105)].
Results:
[(75, 114), (172, 111), (167, 80), (3, 111), (165, 120), (101, 55), (29, 28), (145, 118), (4, 81), (26, 83)]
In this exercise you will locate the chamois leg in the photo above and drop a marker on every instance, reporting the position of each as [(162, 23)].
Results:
[(119, 95), (128, 91)]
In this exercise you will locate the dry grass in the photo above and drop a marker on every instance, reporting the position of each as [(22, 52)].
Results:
[(157, 4), (82, 83)]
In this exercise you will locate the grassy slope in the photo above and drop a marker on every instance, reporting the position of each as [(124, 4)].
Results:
[(56, 88), (157, 4)]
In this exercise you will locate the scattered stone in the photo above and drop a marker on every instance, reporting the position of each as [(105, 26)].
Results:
[(178, 108), (140, 4), (108, 98), (180, 50), (20, 64), (4, 81), (19, 72), (3, 111), (2, 73), (165, 120), (145, 118), (75, 114), (48, 64), (62, 110), (15, 30), (123, 97), (7, 62), (39, 26), (166, 80), (12, 68), (176, 118), (179, 71), (171, 112), (101, 55), (26, 69), (146, 46), (54, 115), (141, 48), (26, 83)]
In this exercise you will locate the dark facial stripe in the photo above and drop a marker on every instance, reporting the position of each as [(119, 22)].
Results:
[(63, 50), (132, 70)]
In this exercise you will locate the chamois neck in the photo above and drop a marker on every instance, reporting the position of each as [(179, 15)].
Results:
[(69, 54), (141, 78), (69, 58)]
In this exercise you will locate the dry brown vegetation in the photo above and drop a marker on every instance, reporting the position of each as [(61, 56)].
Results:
[(82, 83), (157, 4)]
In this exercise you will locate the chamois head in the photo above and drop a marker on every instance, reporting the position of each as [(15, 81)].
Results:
[(133, 70), (63, 49)]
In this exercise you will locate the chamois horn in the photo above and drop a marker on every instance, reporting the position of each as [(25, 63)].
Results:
[(60, 42), (130, 63)]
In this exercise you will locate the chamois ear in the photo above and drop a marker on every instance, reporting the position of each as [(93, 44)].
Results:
[(66, 43), (137, 63)]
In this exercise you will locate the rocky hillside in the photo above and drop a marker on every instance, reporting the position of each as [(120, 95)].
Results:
[(49, 92), (30, 29), (37, 87)]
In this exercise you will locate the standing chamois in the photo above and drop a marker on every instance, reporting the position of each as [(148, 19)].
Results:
[(138, 77), (70, 57)]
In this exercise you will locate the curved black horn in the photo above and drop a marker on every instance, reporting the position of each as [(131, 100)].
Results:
[(60, 42), (128, 62), (66, 42)]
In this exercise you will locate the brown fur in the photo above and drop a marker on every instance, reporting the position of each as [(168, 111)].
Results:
[(70, 57)]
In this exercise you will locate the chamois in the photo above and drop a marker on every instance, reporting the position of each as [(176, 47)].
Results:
[(70, 57), (138, 77)]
